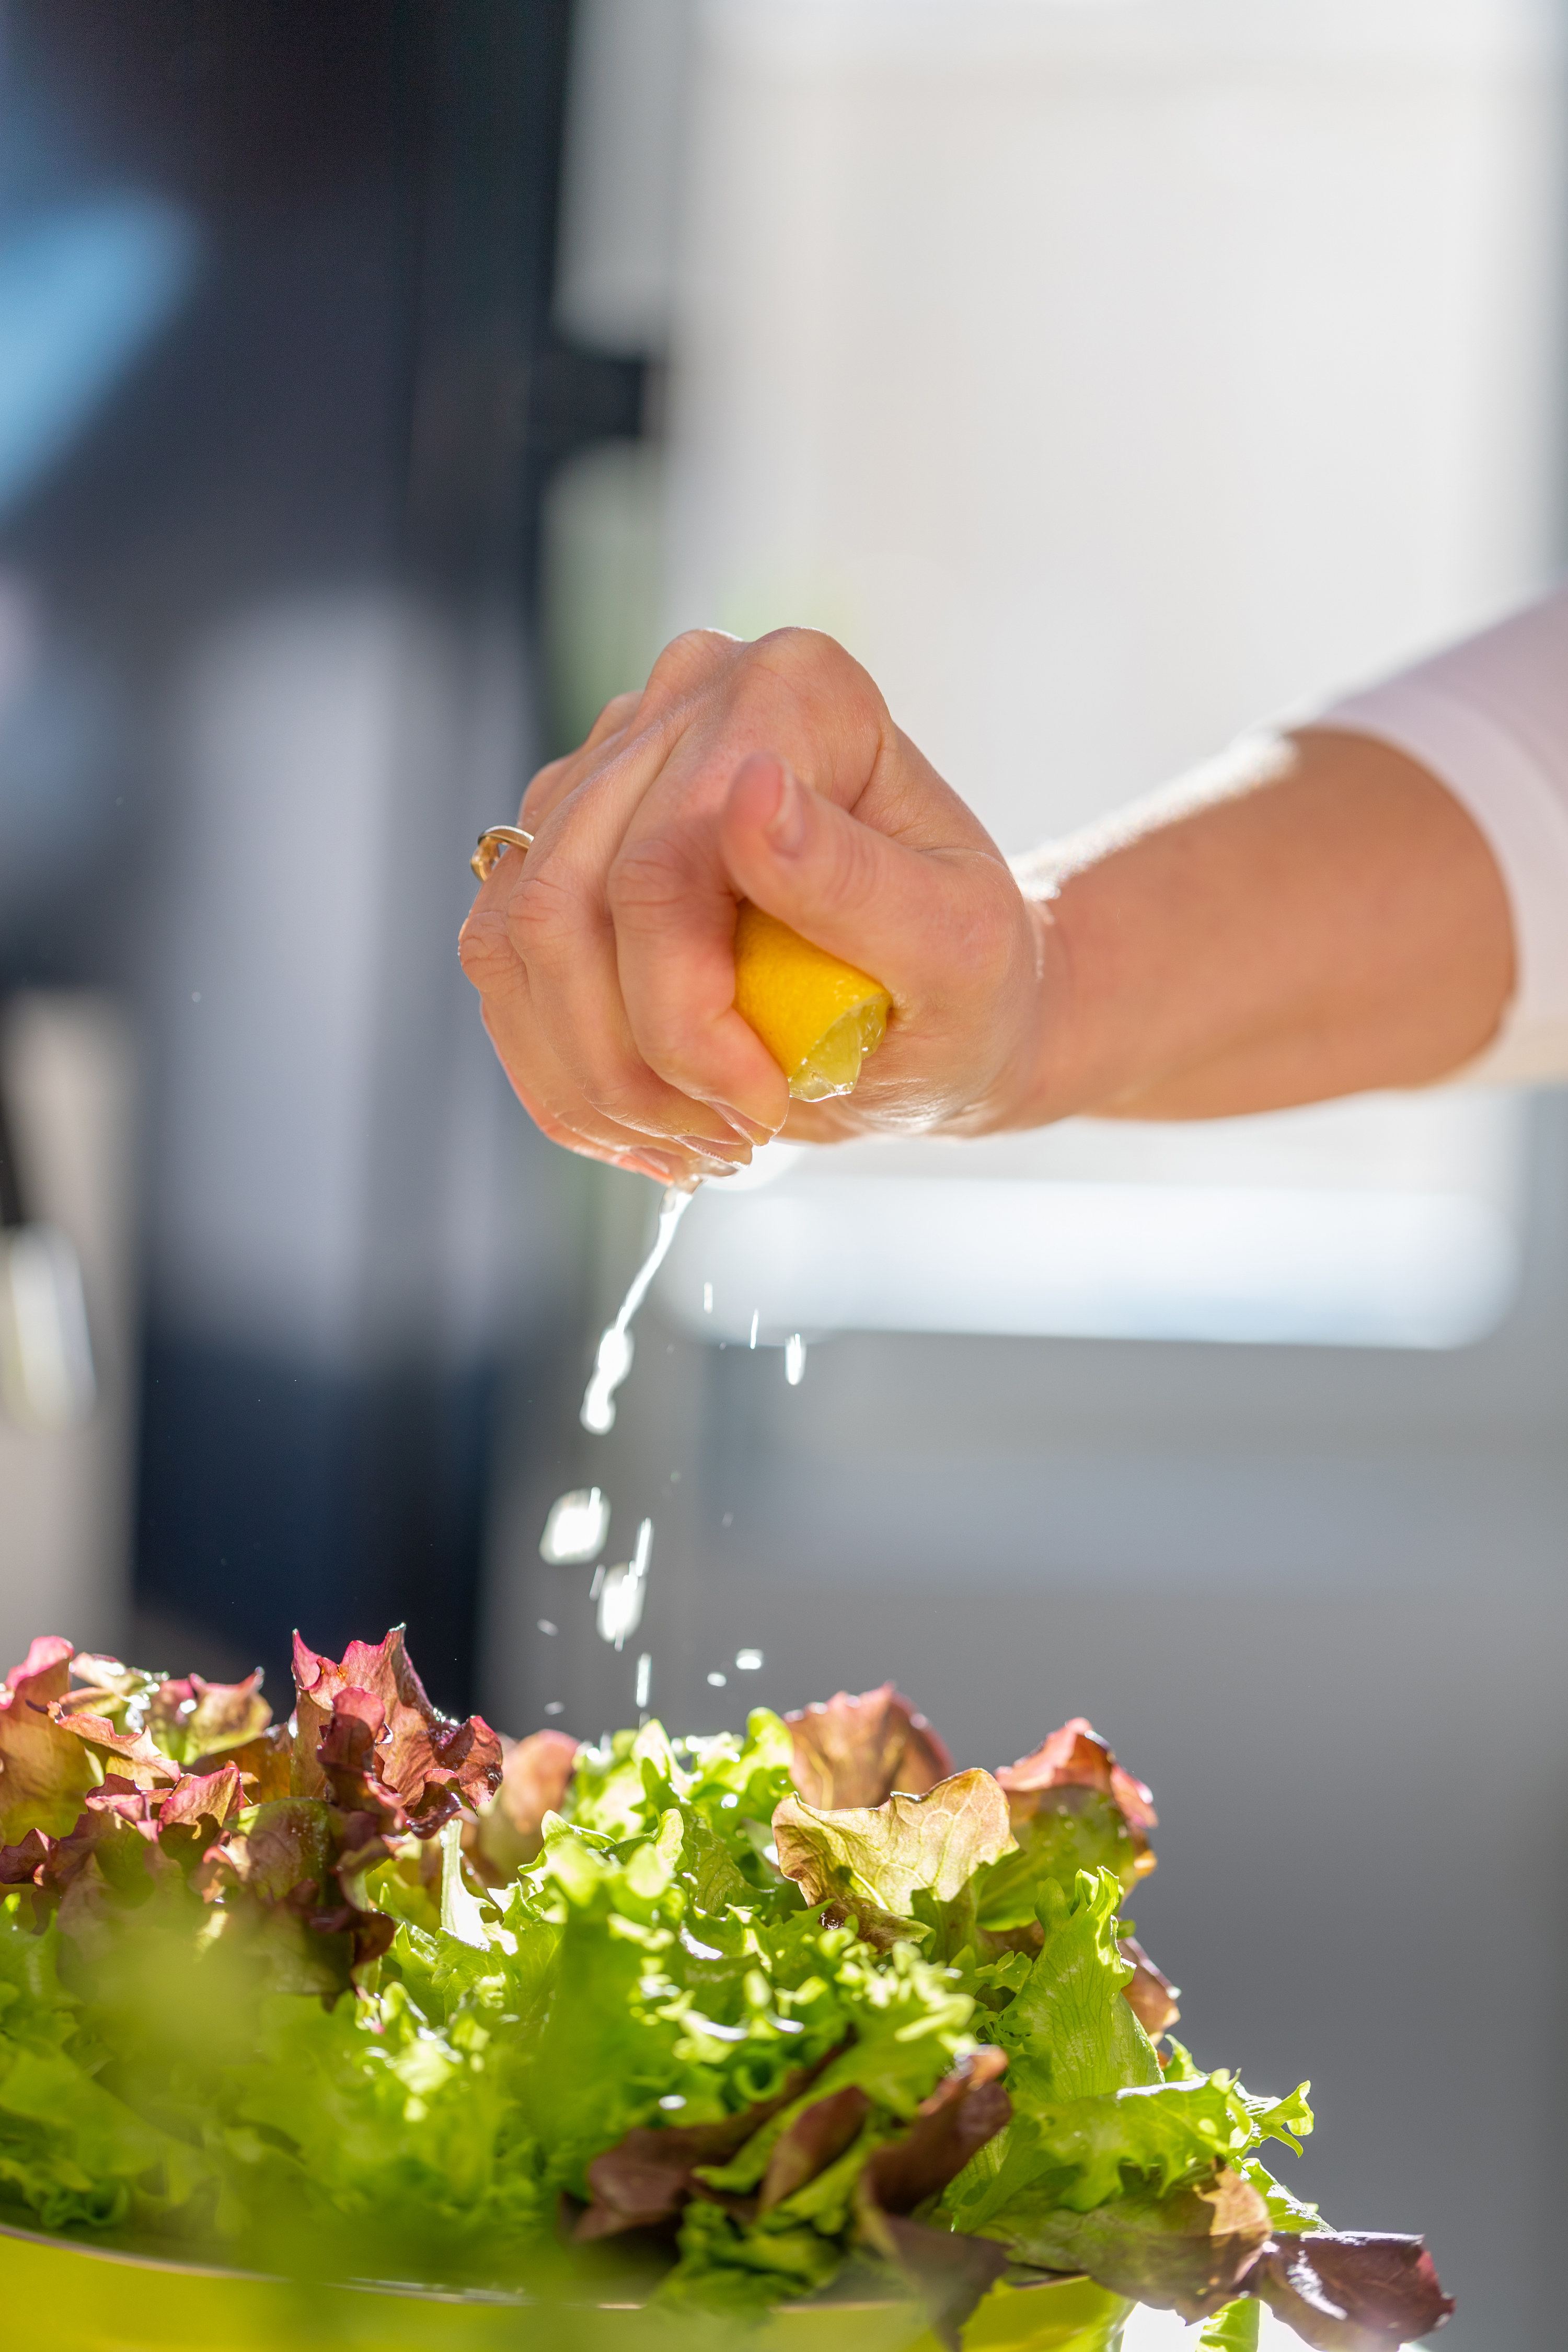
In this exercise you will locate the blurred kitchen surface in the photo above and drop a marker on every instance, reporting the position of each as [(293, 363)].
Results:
[(379, 388)]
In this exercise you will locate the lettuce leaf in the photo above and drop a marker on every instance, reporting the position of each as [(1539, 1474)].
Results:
[(1238, 2328), (45, 1770), (856, 1752), (421, 1762), (1073, 1808), (536, 1774), (869, 1862), (814, 2137), (1074, 1757), (1149, 1992), (191, 1717), (647, 2177), (1190, 2249), (1352, 2292), (1071, 2034)]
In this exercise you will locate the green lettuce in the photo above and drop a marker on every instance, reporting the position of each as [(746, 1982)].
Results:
[(718, 2022)]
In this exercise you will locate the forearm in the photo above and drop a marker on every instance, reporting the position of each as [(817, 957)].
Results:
[(1326, 919)]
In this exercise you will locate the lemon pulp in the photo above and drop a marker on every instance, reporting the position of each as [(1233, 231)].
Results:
[(818, 1016)]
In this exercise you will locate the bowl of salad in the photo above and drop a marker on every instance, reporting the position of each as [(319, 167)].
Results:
[(374, 2021)]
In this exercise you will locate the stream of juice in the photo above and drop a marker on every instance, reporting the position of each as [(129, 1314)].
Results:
[(614, 1361), (578, 1522)]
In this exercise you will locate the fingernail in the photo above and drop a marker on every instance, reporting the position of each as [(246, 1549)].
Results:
[(786, 826), (708, 1146), (752, 1129)]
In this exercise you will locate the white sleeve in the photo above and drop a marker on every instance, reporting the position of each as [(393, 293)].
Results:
[(1489, 719)]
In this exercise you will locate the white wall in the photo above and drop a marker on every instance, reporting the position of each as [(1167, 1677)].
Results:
[(1110, 376)]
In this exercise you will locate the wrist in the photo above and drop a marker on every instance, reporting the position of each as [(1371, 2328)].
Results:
[(1039, 1080), (1054, 1082)]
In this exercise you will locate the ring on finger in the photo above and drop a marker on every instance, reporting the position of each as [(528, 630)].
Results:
[(493, 841)]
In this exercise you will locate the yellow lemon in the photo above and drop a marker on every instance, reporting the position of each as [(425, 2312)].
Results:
[(818, 1017)]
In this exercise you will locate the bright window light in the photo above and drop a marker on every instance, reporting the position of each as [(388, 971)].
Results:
[(1388, 1224)]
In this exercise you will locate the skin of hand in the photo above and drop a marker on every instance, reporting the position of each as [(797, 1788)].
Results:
[(1314, 916), (769, 771)]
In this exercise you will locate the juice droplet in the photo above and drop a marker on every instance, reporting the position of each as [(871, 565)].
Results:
[(794, 1360), (622, 1589), (575, 1530)]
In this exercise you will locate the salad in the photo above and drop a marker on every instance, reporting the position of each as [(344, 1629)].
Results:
[(723, 2021)]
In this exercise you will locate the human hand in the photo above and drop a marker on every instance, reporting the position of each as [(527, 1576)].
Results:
[(770, 771)]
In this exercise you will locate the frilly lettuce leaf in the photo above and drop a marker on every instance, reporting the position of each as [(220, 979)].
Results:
[(191, 1717), (420, 1762), (201, 1802), (650, 2175), (1096, 2115), (1190, 2249), (70, 2150), (45, 1770), (856, 1752), (107, 1686), (265, 1763), (1071, 2034), (1149, 1992), (1074, 1757), (837, 2166), (1238, 2328), (815, 2136), (966, 2109), (1073, 1807), (869, 1862), (134, 1755), (536, 1774), (1351, 2291)]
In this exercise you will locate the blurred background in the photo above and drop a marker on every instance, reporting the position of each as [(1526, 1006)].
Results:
[(380, 386)]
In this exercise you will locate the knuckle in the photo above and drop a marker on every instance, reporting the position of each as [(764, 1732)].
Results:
[(545, 914), (651, 875), (618, 712), (807, 658), (484, 950), (794, 647), (824, 684), (686, 659), (544, 785)]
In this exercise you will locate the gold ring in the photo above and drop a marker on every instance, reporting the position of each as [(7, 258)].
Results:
[(492, 841)]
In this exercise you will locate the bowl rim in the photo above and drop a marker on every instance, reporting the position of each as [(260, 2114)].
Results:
[(515, 2298)]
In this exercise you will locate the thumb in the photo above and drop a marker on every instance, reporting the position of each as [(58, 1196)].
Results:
[(888, 909)]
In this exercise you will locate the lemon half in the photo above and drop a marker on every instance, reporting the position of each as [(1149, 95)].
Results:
[(818, 1016)]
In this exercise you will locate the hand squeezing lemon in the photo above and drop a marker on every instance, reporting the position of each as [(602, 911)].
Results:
[(818, 1017)]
